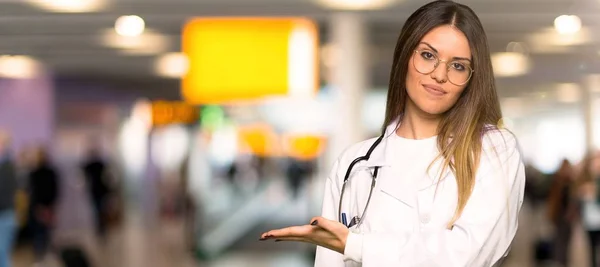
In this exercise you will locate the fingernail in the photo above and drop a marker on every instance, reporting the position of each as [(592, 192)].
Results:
[(314, 222)]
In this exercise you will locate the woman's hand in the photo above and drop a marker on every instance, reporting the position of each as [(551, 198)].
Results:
[(322, 232)]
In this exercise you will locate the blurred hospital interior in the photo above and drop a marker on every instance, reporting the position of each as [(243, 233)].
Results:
[(173, 133)]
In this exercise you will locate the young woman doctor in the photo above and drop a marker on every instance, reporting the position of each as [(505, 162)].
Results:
[(443, 184)]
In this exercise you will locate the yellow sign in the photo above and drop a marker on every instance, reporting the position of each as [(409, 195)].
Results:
[(305, 147), (258, 139), (166, 112), (235, 59)]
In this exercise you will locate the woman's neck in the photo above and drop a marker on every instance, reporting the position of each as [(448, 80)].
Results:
[(417, 124)]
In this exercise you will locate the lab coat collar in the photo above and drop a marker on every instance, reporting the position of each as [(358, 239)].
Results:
[(378, 156)]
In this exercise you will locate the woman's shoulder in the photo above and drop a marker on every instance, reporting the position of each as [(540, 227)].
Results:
[(498, 139), (356, 150), (500, 149)]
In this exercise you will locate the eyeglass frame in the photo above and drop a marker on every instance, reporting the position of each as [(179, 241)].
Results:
[(437, 64)]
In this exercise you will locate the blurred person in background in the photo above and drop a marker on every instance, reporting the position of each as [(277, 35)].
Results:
[(8, 189), (562, 210), (590, 203), (534, 185), (443, 184), (44, 193), (24, 164), (189, 207), (298, 171), (96, 173)]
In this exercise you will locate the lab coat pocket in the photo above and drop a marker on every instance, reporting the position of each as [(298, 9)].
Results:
[(400, 189), (397, 203)]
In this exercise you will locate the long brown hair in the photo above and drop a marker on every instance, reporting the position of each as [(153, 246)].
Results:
[(462, 126)]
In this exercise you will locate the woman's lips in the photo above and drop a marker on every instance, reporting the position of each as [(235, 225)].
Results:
[(434, 89)]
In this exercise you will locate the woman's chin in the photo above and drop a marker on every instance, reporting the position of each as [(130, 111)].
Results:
[(433, 110)]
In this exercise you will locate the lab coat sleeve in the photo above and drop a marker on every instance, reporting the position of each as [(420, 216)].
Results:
[(481, 237), (326, 257)]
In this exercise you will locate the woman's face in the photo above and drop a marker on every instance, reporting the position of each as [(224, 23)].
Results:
[(434, 93)]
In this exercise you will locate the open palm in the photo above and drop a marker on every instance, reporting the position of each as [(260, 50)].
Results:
[(322, 232)]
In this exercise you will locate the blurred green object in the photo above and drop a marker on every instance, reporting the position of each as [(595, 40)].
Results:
[(212, 117)]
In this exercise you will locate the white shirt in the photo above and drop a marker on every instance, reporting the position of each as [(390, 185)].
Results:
[(410, 157), (405, 224)]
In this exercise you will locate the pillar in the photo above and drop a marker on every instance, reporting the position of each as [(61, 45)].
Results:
[(590, 89), (349, 80)]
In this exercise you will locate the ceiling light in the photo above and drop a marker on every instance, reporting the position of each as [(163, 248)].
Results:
[(172, 65), (70, 6), (549, 40), (149, 43), (18, 67), (130, 26), (567, 24), (517, 47), (355, 4), (510, 64)]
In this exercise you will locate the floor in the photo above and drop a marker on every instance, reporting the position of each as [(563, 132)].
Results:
[(140, 242), (144, 241)]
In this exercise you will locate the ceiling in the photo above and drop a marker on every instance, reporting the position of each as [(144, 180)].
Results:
[(69, 44)]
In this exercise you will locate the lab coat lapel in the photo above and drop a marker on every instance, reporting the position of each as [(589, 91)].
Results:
[(378, 156), (389, 182)]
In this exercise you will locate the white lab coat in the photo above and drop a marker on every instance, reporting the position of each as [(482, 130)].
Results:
[(405, 224)]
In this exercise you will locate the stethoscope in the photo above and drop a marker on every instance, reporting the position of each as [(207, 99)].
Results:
[(357, 220)]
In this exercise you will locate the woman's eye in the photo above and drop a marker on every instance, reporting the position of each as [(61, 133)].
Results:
[(458, 66), (427, 55)]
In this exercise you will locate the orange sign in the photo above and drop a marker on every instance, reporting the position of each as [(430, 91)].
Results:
[(166, 112), (258, 139)]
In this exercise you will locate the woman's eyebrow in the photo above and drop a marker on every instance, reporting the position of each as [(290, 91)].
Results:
[(436, 51), (462, 58), (431, 47)]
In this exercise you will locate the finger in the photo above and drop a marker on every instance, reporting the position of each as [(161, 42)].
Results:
[(325, 224), (315, 220), (294, 239), (322, 243), (294, 231)]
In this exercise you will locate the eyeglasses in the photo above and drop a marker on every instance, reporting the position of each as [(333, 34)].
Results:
[(425, 62)]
